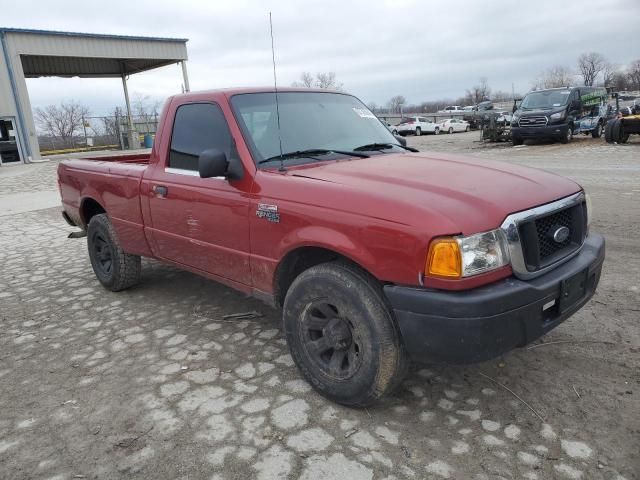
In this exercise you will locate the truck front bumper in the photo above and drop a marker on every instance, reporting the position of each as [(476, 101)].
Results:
[(472, 326), (550, 131)]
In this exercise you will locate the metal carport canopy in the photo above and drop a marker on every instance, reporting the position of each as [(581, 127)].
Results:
[(42, 53)]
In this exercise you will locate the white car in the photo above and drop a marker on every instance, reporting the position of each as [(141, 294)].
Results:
[(504, 116), (417, 126), (454, 125), (452, 109)]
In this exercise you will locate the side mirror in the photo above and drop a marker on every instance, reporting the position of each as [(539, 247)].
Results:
[(212, 163), (401, 140)]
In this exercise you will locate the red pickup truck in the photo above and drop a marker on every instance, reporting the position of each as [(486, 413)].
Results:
[(377, 254)]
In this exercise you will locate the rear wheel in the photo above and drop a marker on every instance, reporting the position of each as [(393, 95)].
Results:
[(597, 132), (342, 335), (466, 129), (436, 131), (418, 131), (515, 141), (450, 131), (115, 269)]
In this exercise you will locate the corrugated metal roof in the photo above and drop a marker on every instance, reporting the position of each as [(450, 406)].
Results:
[(35, 66), (90, 35)]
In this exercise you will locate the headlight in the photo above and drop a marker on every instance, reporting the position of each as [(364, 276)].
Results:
[(557, 116), (455, 257)]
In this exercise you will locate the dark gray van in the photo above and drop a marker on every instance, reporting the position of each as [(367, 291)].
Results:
[(557, 113)]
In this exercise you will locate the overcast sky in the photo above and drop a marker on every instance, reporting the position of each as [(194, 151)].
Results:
[(424, 50)]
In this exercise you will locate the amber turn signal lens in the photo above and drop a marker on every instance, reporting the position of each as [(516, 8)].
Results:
[(444, 258)]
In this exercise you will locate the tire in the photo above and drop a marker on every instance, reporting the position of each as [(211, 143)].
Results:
[(115, 269), (515, 141), (466, 129), (597, 132), (568, 136), (418, 131), (617, 132), (608, 131), (436, 131), (450, 131), (395, 132), (342, 335)]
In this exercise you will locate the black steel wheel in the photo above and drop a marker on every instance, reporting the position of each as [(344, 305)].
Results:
[(114, 268), (102, 252), (342, 334), (330, 340)]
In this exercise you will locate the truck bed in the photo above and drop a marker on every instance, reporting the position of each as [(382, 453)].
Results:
[(113, 182)]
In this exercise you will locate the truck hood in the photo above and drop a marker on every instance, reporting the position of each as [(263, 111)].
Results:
[(465, 195)]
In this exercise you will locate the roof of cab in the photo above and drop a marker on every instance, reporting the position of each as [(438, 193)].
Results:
[(229, 92)]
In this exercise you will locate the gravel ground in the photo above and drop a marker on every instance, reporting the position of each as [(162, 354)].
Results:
[(155, 383)]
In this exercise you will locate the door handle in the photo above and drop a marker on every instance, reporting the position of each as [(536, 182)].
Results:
[(160, 190)]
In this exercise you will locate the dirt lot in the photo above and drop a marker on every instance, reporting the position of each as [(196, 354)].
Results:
[(155, 383)]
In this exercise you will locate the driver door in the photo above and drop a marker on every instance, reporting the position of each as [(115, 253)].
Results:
[(200, 222)]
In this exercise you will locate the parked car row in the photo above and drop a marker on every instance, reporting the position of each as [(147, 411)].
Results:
[(421, 125)]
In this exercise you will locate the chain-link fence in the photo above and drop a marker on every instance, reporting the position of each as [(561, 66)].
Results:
[(100, 133)]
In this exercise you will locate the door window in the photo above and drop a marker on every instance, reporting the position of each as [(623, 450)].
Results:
[(198, 127)]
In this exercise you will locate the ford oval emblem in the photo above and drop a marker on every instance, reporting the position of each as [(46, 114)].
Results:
[(560, 234)]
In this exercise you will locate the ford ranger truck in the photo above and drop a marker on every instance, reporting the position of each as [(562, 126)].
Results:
[(377, 254)]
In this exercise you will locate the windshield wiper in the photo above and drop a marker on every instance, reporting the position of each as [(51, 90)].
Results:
[(310, 153), (382, 146)]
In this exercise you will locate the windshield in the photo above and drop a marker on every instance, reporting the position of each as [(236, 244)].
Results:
[(308, 121), (545, 99)]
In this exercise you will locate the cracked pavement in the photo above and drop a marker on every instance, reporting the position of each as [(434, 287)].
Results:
[(155, 383)]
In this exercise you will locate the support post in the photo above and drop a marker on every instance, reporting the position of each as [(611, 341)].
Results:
[(132, 136), (185, 77)]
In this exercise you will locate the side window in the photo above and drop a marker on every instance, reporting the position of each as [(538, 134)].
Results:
[(198, 127)]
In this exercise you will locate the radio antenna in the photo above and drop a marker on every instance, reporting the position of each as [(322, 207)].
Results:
[(275, 84)]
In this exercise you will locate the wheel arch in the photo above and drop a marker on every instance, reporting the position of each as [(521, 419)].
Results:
[(301, 258), (90, 207)]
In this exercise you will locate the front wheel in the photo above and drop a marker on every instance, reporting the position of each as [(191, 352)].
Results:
[(342, 334), (115, 269), (450, 131), (418, 131), (567, 136), (515, 141), (436, 131), (466, 129)]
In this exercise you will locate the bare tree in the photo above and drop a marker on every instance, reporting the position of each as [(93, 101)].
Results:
[(62, 121), (557, 76), (395, 103), (620, 82), (306, 80), (590, 65), (633, 73), (480, 92), (326, 80), (373, 106), (146, 109), (608, 71)]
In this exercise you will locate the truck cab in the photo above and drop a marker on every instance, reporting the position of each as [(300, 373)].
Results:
[(557, 114)]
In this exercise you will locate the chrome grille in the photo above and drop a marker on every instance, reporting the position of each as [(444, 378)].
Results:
[(533, 121), (529, 235)]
